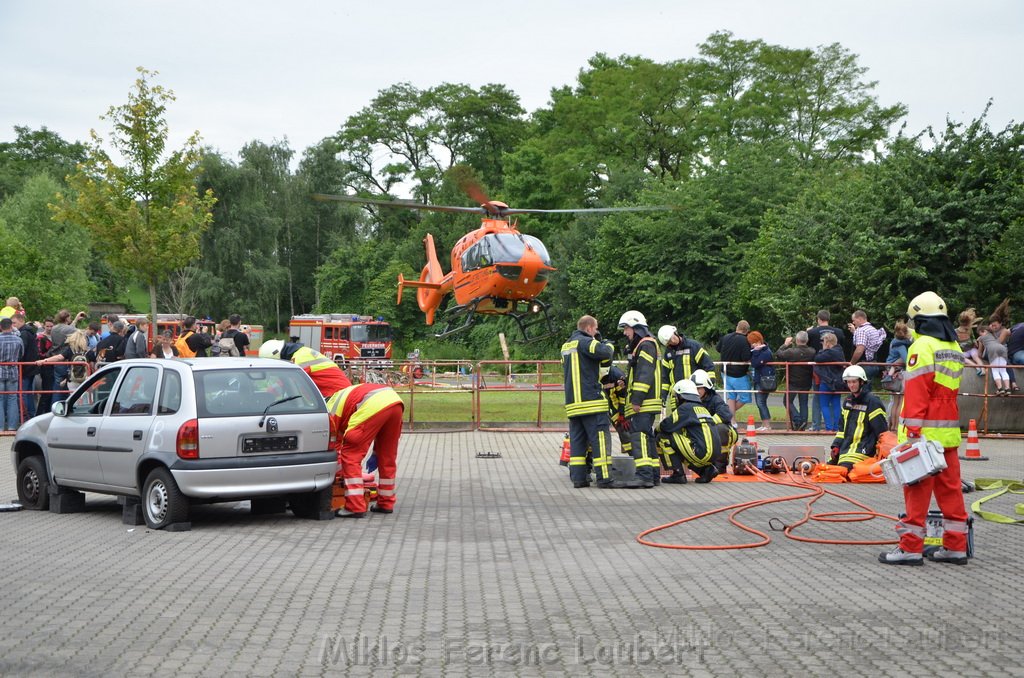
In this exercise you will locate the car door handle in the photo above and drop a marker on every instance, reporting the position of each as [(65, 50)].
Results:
[(91, 431), (137, 435)]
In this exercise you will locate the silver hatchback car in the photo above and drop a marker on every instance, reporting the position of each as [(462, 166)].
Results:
[(163, 434)]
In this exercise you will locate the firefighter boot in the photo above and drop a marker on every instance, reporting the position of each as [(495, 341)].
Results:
[(706, 474), (678, 477), (942, 555), (900, 557)]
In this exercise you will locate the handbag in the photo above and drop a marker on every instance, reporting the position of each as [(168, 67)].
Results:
[(767, 381)]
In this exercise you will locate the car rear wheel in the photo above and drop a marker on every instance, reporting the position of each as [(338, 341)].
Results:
[(163, 503), (33, 484)]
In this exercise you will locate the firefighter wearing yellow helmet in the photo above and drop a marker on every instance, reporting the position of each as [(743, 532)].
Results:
[(931, 382)]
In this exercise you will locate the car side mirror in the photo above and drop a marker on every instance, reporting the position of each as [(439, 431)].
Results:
[(59, 409)]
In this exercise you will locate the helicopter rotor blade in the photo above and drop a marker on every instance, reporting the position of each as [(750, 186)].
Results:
[(591, 210), (410, 204), (474, 190)]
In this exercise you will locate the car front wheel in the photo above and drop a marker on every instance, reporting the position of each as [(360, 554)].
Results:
[(33, 484), (163, 503)]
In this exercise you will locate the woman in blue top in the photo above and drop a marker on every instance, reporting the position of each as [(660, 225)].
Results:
[(760, 355)]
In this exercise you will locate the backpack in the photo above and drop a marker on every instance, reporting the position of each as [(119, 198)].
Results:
[(79, 369), (181, 344), (226, 345)]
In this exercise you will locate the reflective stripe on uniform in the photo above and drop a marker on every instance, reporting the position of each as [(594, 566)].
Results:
[(931, 423), (373, 403), (903, 528)]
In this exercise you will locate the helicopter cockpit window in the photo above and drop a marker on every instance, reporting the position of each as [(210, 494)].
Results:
[(538, 247), (479, 255)]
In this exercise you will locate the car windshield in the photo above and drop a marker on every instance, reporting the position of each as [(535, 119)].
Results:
[(379, 332), (248, 392)]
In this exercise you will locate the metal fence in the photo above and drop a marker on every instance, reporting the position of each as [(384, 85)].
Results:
[(526, 395)]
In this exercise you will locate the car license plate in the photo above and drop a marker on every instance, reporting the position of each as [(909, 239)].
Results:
[(274, 444)]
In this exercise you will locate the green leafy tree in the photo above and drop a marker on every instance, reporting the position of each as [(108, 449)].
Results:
[(34, 152), (145, 215), (47, 262)]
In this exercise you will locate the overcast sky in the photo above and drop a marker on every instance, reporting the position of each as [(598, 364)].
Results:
[(296, 69)]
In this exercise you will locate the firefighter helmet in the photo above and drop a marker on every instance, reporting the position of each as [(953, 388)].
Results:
[(632, 319), (927, 303), (665, 334), (271, 349), (686, 390), (855, 372), (702, 379)]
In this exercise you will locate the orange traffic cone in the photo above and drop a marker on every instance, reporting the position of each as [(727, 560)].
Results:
[(973, 451), (751, 431)]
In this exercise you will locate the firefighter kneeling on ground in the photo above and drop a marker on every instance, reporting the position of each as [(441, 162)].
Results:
[(689, 435), (362, 415), (325, 373), (721, 415), (863, 421)]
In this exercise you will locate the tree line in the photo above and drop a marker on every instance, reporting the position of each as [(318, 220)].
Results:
[(792, 188)]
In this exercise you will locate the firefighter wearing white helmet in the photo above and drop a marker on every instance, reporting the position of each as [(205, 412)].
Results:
[(688, 435), (643, 392), (721, 414), (863, 421), (931, 382), (325, 373), (680, 358)]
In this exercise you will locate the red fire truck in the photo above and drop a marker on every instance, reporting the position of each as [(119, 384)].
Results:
[(344, 337)]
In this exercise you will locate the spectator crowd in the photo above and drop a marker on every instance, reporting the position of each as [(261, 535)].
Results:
[(43, 361)]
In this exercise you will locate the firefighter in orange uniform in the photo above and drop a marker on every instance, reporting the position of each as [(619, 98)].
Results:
[(931, 382), (325, 373), (362, 415)]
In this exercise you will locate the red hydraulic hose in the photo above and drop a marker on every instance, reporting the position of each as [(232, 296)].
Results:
[(813, 492)]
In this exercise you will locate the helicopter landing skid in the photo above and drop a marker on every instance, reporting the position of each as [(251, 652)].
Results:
[(461, 318)]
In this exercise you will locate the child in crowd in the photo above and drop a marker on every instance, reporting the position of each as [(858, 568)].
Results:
[(995, 352), (965, 337)]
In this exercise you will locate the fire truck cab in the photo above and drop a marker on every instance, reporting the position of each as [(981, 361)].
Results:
[(344, 337)]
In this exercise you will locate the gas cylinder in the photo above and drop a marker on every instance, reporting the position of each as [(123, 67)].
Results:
[(566, 451)]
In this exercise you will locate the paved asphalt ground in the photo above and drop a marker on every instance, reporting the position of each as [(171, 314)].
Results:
[(498, 567)]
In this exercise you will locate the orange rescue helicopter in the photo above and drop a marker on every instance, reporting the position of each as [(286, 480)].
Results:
[(495, 270)]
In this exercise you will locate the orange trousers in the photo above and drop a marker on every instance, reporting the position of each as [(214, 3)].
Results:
[(948, 495), (382, 430)]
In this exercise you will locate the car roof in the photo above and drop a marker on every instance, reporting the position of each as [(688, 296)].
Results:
[(203, 364)]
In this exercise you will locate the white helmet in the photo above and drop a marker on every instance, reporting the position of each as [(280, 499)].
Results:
[(855, 372), (927, 303), (271, 349), (702, 379), (665, 334), (632, 319), (686, 390)]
